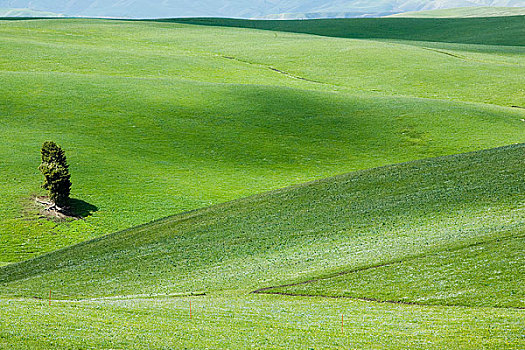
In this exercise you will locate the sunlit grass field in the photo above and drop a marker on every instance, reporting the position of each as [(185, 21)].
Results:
[(431, 221), (482, 274), (246, 322), (159, 118), (354, 221), (191, 126)]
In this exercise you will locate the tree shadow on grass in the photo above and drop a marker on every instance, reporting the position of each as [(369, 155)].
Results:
[(80, 208)]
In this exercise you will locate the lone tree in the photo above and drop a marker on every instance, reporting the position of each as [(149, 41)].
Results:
[(57, 181)]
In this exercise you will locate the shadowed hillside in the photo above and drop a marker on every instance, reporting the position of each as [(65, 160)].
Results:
[(159, 118), (352, 221), (487, 31)]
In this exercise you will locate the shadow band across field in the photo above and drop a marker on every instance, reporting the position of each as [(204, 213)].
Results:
[(377, 218), (506, 30)]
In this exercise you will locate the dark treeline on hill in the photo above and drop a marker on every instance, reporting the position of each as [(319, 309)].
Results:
[(503, 30)]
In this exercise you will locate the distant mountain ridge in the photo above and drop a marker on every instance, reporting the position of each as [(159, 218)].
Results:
[(464, 12), (245, 9), (26, 13)]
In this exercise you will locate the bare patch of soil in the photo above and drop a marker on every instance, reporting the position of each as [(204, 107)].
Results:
[(51, 210)]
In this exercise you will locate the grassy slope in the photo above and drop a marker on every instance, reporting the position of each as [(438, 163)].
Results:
[(427, 210), (362, 218), (461, 12), (352, 221), (488, 273), (261, 322), (193, 115), (487, 31)]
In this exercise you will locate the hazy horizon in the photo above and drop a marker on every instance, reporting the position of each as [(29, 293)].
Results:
[(238, 8)]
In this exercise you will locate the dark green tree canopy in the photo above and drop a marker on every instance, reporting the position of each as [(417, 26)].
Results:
[(57, 179), (53, 153)]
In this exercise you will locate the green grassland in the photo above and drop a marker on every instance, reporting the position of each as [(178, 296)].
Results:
[(461, 12), (506, 30), (487, 273), (246, 322), (353, 221), (160, 118), (127, 289)]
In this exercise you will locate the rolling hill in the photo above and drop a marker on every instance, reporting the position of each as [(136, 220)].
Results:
[(159, 118), (503, 30), (172, 117), (484, 273), (423, 220), (378, 217), (10, 12), (451, 227)]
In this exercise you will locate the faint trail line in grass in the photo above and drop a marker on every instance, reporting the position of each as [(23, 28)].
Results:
[(296, 76), (465, 58), (374, 300), (337, 88), (120, 297), (446, 53), (268, 290), (293, 76)]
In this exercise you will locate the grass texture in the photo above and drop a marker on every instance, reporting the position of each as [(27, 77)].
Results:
[(487, 273), (245, 322), (506, 30), (160, 118), (451, 227), (355, 221)]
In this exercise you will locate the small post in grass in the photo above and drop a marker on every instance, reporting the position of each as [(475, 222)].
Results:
[(190, 309), (342, 322)]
